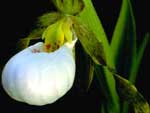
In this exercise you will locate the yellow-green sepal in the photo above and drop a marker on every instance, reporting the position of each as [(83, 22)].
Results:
[(54, 36)]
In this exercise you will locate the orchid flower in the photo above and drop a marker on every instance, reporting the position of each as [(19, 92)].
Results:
[(44, 72)]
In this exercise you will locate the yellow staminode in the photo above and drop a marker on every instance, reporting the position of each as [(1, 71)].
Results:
[(57, 34)]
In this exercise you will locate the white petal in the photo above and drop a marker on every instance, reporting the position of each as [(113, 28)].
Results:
[(39, 78)]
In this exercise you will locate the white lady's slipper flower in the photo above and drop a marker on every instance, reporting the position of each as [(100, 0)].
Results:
[(37, 77)]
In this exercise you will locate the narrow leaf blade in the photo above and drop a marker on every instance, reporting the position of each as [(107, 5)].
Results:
[(135, 67), (123, 42)]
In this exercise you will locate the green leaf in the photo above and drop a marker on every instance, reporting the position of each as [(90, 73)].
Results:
[(136, 64), (130, 94), (123, 42), (135, 67), (89, 42)]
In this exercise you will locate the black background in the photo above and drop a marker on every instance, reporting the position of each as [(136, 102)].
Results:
[(18, 18)]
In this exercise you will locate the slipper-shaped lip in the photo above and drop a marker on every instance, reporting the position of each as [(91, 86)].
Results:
[(37, 77)]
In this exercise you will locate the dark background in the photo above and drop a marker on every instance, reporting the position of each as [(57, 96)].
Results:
[(18, 18)]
